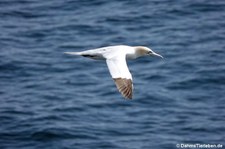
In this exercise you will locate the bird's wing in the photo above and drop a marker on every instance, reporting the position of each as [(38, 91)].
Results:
[(121, 75)]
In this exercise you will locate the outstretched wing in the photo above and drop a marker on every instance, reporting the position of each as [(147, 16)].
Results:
[(121, 75)]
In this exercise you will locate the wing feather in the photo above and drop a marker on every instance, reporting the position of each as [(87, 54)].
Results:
[(121, 75), (124, 86)]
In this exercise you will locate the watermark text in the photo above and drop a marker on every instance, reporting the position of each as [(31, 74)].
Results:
[(199, 145)]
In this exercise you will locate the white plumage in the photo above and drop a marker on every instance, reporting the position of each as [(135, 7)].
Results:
[(115, 57)]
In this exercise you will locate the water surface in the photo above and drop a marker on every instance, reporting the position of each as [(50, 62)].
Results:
[(51, 100)]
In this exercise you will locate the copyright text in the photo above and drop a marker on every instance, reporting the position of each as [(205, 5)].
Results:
[(198, 145)]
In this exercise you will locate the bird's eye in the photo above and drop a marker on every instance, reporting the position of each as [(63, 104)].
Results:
[(149, 52)]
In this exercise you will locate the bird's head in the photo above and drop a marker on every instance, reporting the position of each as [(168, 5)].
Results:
[(142, 51)]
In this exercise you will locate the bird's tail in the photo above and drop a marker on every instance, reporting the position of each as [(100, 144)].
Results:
[(73, 53)]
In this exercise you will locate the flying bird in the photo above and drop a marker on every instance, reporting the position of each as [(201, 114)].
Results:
[(115, 57)]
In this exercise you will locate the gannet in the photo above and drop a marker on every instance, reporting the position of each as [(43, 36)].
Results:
[(115, 57)]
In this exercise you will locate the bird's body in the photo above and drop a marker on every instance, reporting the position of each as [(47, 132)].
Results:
[(107, 52), (115, 57)]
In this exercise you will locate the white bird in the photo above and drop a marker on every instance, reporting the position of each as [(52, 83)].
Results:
[(115, 57)]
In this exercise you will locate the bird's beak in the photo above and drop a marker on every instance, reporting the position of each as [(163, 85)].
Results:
[(157, 54)]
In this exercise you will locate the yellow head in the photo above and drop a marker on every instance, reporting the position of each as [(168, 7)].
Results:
[(142, 51)]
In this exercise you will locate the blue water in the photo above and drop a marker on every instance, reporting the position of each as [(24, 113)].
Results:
[(51, 100)]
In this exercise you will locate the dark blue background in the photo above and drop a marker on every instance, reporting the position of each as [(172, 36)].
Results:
[(51, 100)]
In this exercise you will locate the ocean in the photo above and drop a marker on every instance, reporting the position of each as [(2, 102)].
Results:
[(50, 100)]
